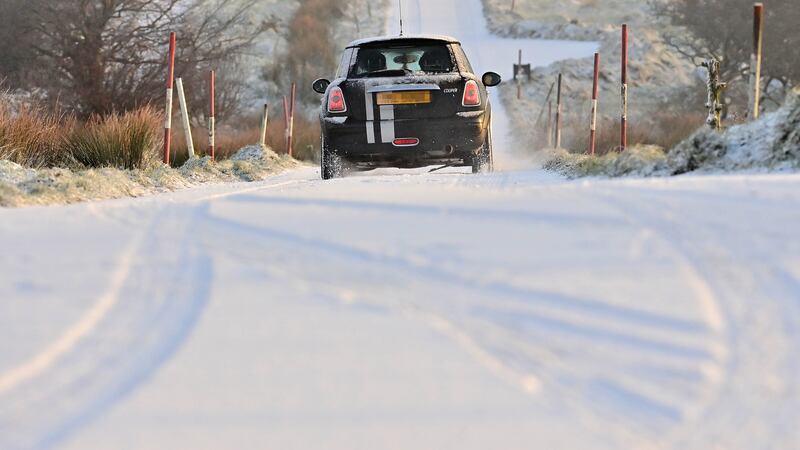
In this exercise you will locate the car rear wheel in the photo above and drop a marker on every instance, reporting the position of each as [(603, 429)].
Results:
[(330, 163), (483, 162)]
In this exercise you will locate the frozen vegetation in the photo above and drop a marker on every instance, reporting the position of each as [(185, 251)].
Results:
[(20, 186), (771, 143)]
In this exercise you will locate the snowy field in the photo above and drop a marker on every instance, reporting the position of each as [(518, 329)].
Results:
[(406, 310)]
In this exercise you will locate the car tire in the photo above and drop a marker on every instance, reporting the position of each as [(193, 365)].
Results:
[(483, 162), (331, 165)]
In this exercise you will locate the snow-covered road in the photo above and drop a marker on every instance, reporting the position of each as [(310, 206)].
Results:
[(405, 310)]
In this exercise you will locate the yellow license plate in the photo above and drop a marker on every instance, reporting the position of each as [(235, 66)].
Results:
[(404, 98)]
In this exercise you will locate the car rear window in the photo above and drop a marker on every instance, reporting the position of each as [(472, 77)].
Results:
[(400, 60)]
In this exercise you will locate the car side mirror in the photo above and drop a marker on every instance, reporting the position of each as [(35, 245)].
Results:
[(491, 79), (320, 86)]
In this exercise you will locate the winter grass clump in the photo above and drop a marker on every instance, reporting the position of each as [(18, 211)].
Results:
[(123, 141), (641, 160), (32, 137), (52, 158)]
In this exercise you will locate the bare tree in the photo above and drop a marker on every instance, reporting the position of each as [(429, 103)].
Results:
[(15, 54), (105, 55), (309, 54), (722, 29)]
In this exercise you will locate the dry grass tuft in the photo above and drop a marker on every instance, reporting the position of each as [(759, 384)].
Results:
[(124, 141), (33, 137)]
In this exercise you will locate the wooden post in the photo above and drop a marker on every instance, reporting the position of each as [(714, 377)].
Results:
[(755, 61), (290, 126), (550, 124), (513, 5), (558, 113), (715, 89), (264, 123), (595, 92), (168, 109), (212, 132), (187, 126), (286, 123), (623, 142)]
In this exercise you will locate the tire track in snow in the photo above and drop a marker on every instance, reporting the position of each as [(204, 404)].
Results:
[(750, 322), (135, 334), (45, 360), (717, 373), (496, 291)]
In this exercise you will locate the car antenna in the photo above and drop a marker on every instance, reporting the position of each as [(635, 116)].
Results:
[(401, 16)]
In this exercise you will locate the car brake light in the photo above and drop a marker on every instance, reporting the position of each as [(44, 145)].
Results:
[(405, 142), (472, 95), (336, 100)]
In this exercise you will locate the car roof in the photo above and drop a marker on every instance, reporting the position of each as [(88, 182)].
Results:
[(400, 39)]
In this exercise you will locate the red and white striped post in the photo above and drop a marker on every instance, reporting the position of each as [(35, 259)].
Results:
[(595, 92), (170, 84), (623, 143), (558, 113), (290, 122), (755, 60), (212, 133)]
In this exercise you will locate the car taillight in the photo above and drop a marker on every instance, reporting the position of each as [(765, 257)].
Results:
[(336, 101), (472, 95), (405, 142)]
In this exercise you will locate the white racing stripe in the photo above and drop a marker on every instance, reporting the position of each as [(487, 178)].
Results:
[(387, 123), (370, 102)]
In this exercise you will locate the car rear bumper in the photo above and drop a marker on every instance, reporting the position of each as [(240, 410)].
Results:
[(441, 141)]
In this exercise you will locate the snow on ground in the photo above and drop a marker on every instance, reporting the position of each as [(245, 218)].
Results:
[(402, 309)]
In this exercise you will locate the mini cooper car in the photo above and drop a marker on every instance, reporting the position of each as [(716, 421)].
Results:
[(405, 102)]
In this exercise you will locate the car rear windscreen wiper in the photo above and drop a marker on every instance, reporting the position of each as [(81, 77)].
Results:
[(388, 73)]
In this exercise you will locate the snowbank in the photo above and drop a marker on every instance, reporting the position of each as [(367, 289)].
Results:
[(20, 186), (769, 144)]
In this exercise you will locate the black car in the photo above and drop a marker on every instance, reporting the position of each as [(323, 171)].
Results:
[(406, 102)]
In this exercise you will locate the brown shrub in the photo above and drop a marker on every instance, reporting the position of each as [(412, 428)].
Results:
[(124, 141), (33, 137)]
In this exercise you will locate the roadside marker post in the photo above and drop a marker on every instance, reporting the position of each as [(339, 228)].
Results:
[(187, 126), (212, 136), (290, 122), (286, 119), (264, 124), (755, 61), (623, 143), (549, 131), (558, 113), (595, 92), (168, 111)]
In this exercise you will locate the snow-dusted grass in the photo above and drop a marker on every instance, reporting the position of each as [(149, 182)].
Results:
[(22, 187), (641, 160), (769, 144)]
